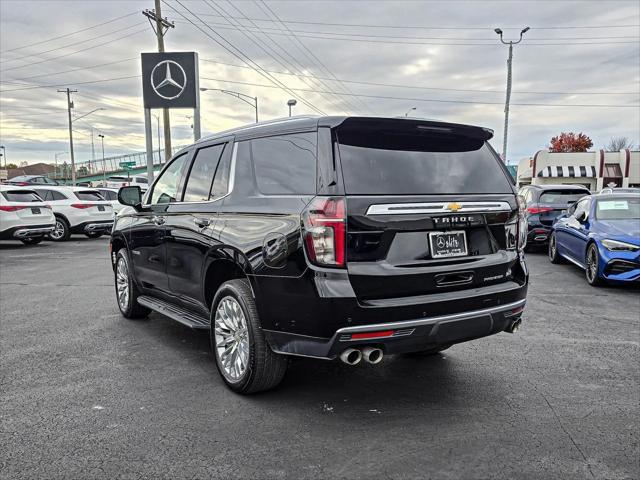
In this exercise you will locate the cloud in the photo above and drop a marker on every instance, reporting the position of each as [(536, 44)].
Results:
[(33, 123)]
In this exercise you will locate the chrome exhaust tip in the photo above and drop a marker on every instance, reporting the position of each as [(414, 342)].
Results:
[(372, 355), (514, 326), (351, 356)]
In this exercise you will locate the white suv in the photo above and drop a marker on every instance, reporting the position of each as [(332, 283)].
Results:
[(121, 181), (23, 215), (77, 210)]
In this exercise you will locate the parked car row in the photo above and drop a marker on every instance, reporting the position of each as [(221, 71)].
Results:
[(37, 211)]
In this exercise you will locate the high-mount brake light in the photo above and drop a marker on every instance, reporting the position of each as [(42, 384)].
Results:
[(325, 231)]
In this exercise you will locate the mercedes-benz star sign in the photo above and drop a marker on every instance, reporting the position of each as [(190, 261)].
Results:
[(167, 86)]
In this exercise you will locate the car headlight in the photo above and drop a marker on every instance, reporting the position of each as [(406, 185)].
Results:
[(616, 245)]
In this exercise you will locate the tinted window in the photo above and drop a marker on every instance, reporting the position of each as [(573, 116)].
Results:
[(18, 196), (165, 189), (44, 194), (561, 197), (109, 195), (285, 164), (140, 180), (398, 162), (202, 173), (90, 196), (220, 185), (622, 208), (58, 195)]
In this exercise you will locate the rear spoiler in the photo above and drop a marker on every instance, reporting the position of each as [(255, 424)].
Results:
[(404, 124)]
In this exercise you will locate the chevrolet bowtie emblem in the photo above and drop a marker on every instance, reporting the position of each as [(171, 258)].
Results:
[(454, 207)]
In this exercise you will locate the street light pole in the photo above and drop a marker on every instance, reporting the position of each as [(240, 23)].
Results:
[(508, 96), (253, 101), (409, 111), (291, 103), (55, 168), (4, 154), (104, 169), (68, 91)]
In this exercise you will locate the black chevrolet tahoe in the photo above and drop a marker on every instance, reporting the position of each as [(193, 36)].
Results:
[(326, 237)]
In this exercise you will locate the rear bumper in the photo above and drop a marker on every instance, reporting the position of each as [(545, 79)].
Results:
[(402, 337), (104, 226), (311, 315), (538, 234), (31, 231)]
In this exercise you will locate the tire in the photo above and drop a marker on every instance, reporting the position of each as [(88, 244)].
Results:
[(554, 256), (592, 264), (32, 240), (126, 290), (235, 325), (430, 352), (62, 231), (94, 234)]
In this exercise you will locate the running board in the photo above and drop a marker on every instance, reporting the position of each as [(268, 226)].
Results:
[(180, 315)]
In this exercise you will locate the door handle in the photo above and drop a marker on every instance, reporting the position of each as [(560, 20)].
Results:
[(159, 220), (202, 222)]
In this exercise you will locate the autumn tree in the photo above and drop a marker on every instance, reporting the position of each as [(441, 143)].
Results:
[(570, 142)]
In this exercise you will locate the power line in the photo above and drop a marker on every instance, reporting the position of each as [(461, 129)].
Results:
[(77, 69), (307, 52), (293, 64), (70, 34), (391, 85), (386, 97), (70, 83), (374, 38), (424, 27), (84, 41), (137, 32), (240, 54)]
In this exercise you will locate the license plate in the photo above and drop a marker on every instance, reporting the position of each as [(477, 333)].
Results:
[(448, 244), (35, 210), (101, 208)]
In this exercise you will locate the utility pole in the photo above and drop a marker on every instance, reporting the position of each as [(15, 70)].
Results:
[(162, 25), (508, 97), (69, 107), (104, 169)]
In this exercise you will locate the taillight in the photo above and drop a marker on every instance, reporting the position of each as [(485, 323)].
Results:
[(522, 223), (325, 231), (539, 209), (82, 205), (13, 208)]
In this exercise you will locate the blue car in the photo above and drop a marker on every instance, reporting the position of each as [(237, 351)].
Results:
[(600, 234)]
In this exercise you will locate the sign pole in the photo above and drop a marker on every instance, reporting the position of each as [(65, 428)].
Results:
[(149, 138), (196, 124)]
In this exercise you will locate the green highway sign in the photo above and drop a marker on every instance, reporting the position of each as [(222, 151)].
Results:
[(127, 164)]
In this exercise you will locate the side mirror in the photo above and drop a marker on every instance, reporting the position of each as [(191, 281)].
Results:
[(131, 196), (581, 217)]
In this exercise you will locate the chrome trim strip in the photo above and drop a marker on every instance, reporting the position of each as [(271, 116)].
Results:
[(24, 232), (575, 262), (429, 320), (437, 207)]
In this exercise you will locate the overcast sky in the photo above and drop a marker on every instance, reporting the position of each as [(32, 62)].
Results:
[(441, 57)]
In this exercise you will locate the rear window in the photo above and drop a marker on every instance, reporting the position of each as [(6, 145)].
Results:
[(409, 163), (141, 180), (21, 196), (117, 179), (618, 209), (89, 195), (561, 197)]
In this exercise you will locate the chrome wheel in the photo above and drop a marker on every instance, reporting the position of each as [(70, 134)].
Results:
[(58, 233), (122, 283), (231, 339), (592, 264)]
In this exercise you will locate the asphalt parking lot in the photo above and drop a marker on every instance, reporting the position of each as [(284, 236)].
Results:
[(88, 394)]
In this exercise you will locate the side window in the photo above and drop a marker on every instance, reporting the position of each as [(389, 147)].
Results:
[(202, 172), (286, 164), (58, 195), (44, 194), (220, 185), (165, 189)]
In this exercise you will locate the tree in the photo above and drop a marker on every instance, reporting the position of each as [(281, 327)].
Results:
[(618, 143), (11, 166), (570, 142)]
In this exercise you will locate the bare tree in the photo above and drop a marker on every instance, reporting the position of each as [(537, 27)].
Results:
[(618, 143)]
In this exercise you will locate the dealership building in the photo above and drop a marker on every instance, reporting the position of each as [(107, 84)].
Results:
[(594, 170)]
